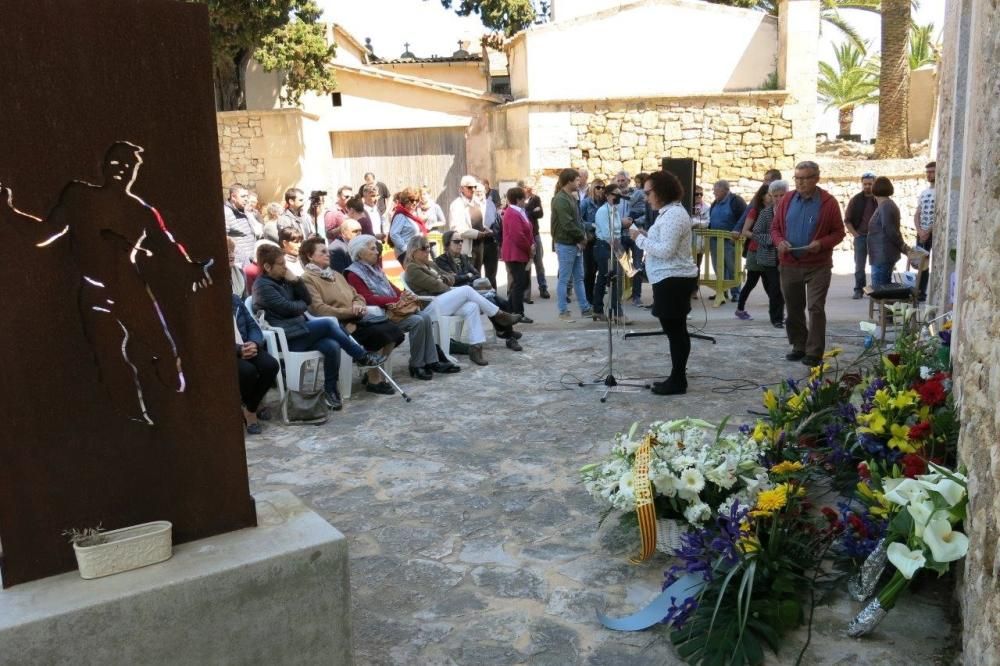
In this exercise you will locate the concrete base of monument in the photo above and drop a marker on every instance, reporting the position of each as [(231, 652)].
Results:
[(275, 594)]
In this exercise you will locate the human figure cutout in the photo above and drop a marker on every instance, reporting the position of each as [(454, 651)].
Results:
[(115, 240)]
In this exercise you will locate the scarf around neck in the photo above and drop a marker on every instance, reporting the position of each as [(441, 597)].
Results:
[(325, 273), (373, 278), (401, 210)]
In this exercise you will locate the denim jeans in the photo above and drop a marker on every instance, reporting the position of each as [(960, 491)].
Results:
[(860, 259), (570, 268), (327, 337), (602, 253), (881, 274)]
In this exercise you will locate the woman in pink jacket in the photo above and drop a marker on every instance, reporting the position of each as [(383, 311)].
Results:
[(518, 246)]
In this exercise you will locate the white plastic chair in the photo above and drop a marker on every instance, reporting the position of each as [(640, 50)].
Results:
[(345, 378), (443, 327)]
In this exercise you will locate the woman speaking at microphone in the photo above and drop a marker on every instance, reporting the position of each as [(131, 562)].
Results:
[(671, 271)]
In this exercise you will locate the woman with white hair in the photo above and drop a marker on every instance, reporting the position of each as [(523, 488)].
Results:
[(401, 307), (425, 278), (762, 262)]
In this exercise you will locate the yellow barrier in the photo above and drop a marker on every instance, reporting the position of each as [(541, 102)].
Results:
[(707, 277)]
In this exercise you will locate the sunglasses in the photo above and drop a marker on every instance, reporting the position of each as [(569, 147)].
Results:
[(698, 194), (598, 187), (456, 242), (425, 248)]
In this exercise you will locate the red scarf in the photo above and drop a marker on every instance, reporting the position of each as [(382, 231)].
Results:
[(400, 210)]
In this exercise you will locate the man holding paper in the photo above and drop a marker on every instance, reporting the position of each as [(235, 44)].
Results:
[(807, 226)]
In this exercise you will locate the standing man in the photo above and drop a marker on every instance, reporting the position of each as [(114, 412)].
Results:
[(923, 220), (238, 224), (533, 209), (252, 210), (859, 211), (724, 215), (381, 189), (569, 240), (369, 196), (293, 216), (335, 216), (807, 226), (465, 217)]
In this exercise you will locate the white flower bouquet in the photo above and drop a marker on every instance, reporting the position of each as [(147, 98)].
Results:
[(695, 470)]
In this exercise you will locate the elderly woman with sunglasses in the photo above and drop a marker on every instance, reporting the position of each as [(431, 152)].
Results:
[(401, 307), (425, 278)]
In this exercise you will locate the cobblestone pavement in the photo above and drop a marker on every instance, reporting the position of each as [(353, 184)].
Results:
[(472, 542)]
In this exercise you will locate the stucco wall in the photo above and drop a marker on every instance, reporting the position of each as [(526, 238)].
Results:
[(601, 52), (923, 102), (976, 350), (469, 74)]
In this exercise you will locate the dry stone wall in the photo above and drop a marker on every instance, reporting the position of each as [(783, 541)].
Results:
[(236, 134), (735, 138)]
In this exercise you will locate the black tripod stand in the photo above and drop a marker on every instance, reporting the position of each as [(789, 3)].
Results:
[(609, 384)]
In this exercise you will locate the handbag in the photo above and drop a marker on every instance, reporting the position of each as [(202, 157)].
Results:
[(306, 407), (403, 311)]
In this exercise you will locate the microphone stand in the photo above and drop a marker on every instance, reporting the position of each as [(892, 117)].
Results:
[(609, 384)]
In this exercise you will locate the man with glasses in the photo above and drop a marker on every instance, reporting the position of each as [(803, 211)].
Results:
[(859, 212), (807, 227), (466, 218), (724, 215)]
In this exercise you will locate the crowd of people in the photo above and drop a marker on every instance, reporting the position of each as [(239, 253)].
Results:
[(315, 269)]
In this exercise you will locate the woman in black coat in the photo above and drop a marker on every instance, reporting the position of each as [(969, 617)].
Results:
[(257, 368)]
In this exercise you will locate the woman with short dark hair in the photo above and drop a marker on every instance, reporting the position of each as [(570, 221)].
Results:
[(290, 239), (670, 270), (885, 242), (518, 246)]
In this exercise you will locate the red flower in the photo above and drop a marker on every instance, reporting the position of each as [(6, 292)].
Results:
[(932, 393), (858, 525), (913, 465), (829, 514), (863, 470), (920, 430)]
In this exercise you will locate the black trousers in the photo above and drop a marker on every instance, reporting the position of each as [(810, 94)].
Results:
[(491, 259), (772, 285), (925, 275), (520, 277), (671, 305), (257, 374), (589, 269)]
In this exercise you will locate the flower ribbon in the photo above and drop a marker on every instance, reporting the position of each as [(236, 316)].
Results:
[(689, 585), (644, 508)]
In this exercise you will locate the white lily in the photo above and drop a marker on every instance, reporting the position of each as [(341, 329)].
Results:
[(626, 485), (906, 561), (904, 492), (946, 544), (692, 481), (952, 492), (921, 511)]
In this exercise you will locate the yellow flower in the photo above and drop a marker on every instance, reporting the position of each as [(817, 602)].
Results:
[(786, 467), (833, 353), (816, 372), (770, 400), (901, 438), (946, 326), (881, 399), (772, 500), (873, 422), (798, 400), (904, 400), (878, 505), (749, 544)]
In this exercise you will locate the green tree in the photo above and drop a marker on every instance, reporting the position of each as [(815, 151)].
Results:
[(507, 16), (281, 34), (923, 49), (853, 83), (893, 140)]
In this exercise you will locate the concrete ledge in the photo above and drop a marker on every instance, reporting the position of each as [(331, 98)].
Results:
[(275, 594)]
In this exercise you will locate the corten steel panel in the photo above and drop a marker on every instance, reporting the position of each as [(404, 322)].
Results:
[(77, 76)]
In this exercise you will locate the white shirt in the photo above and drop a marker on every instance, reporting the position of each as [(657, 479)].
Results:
[(667, 245), (925, 203)]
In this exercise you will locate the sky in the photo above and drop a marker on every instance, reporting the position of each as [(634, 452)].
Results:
[(430, 29)]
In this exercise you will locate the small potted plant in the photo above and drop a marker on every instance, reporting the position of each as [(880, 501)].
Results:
[(100, 553)]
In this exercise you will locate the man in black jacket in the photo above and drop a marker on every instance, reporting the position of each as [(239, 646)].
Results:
[(859, 211)]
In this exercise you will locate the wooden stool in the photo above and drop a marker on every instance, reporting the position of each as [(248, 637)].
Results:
[(884, 297)]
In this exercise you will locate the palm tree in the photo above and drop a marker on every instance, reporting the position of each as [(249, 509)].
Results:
[(894, 97), (923, 49), (853, 83)]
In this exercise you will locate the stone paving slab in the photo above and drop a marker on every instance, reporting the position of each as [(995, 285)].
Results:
[(471, 540)]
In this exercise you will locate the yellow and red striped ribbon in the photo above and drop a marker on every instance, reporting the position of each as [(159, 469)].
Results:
[(644, 508)]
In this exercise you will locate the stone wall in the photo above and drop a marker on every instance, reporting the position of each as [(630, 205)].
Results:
[(736, 137), (976, 342), (239, 164)]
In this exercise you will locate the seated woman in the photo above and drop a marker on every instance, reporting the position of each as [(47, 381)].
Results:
[(460, 267), (331, 296), (290, 239), (257, 368), (402, 308), (405, 222), (424, 278), (284, 300)]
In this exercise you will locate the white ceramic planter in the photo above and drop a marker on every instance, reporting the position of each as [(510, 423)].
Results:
[(125, 549), (668, 535)]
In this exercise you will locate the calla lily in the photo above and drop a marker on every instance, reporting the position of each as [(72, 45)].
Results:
[(921, 511), (906, 561), (904, 492), (946, 544), (952, 492)]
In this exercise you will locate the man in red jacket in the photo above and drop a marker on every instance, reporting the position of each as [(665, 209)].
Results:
[(807, 226)]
